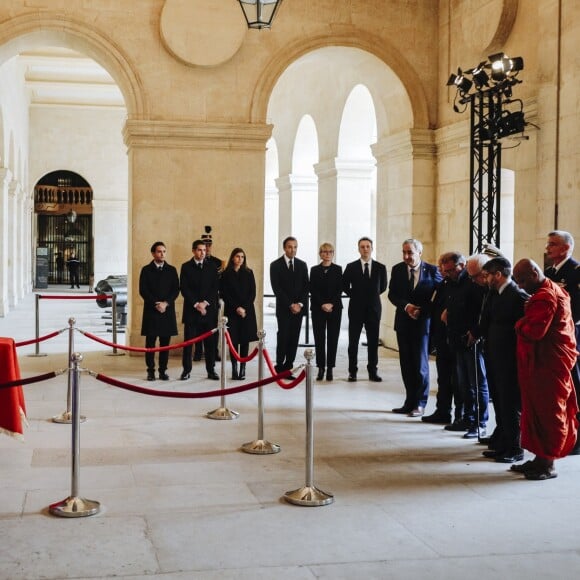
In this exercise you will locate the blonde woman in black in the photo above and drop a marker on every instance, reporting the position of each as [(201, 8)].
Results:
[(326, 307)]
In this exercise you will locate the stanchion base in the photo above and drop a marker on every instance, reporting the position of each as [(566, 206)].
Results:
[(115, 354), (66, 417), (39, 354), (223, 414), (75, 507), (260, 447), (308, 496)]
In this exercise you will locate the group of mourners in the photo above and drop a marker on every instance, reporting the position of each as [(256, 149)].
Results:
[(500, 335), (509, 337)]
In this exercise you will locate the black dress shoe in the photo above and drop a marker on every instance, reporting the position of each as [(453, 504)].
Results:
[(150, 375), (374, 378), (184, 376), (437, 418), (492, 453), (213, 376), (320, 374), (352, 378), (163, 376), (457, 425), (509, 457), (402, 410), (329, 376)]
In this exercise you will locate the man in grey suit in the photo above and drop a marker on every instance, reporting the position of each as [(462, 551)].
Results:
[(289, 279), (364, 281)]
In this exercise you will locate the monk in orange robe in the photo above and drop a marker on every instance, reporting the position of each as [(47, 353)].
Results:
[(546, 353)]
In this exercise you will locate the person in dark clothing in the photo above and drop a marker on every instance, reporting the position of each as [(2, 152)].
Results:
[(326, 307), (411, 287), (289, 279), (462, 316), (199, 284), (73, 265), (238, 291), (159, 288), (504, 307), (444, 359)]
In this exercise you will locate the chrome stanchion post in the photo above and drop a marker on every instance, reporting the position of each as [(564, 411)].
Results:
[(75, 506), (37, 326), (66, 416), (222, 412), (114, 323), (261, 446), (309, 495)]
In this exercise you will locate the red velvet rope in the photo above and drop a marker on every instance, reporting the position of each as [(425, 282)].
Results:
[(143, 349), (242, 359), (74, 296), (41, 339), (29, 380), (180, 395), (289, 385)]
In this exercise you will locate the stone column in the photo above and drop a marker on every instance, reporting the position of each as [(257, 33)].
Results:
[(5, 178), (406, 201), (183, 176), (12, 243), (327, 201)]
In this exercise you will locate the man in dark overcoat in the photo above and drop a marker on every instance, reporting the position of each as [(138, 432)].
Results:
[(159, 288)]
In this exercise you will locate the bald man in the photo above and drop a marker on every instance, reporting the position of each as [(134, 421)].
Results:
[(546, 353)]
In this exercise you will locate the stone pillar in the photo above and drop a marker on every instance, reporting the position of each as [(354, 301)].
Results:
[(22, 245), (327, 201), (5, 178), (355, 206), (183, 176), (406, 166), (12, 243)]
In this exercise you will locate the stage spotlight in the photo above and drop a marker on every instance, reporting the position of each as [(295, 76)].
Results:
[(510, 123)]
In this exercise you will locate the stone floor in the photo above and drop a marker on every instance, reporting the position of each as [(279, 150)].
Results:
[(181, 501)]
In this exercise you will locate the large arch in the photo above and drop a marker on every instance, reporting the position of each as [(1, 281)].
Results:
[(47, 28), (376, 46)]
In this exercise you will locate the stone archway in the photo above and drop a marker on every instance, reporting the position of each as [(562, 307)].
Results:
[(44, 28)]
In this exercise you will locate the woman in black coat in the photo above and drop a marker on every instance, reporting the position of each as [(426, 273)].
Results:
[(326, 306), (238, 291)]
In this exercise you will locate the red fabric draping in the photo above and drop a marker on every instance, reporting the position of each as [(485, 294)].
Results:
[(143, 349), (181, 395), (236, 355), (12, 405)]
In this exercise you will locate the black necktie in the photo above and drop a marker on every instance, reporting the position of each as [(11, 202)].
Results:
[(291, 265), (199, 265), (366, 272), (412, 279), (550, 272)]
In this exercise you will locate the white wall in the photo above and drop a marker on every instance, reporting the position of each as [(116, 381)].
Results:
[(88, 142)]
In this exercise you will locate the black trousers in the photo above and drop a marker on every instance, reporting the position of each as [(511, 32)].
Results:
[(355, 326), (163, 355), (287, 338), (326, 329), (201, 326)]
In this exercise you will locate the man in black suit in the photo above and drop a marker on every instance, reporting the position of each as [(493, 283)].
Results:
[(289, 279), (364, 281), (411, 287), (565, 271), (504, 307), (199, 286), (159, 288)]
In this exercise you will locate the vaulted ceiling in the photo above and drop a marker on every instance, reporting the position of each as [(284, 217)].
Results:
[(63, 77)]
